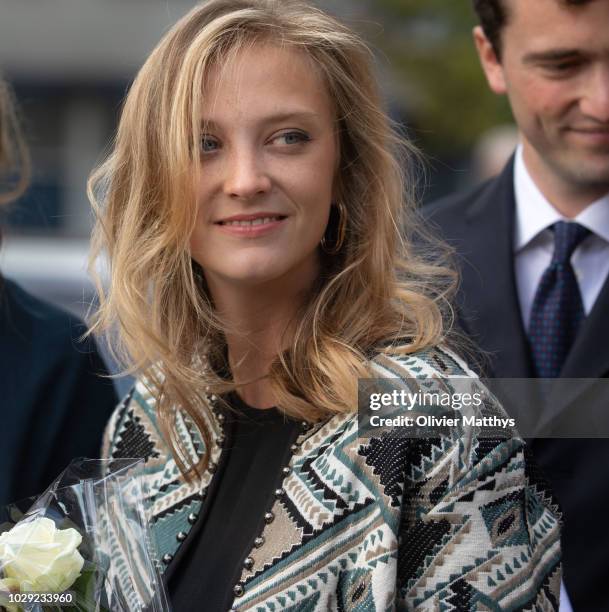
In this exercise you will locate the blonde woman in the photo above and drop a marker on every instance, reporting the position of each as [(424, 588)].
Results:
[(54, 402), (251, 213), (14, 157)]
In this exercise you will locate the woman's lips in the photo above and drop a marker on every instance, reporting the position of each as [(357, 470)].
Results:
[(250, 229)]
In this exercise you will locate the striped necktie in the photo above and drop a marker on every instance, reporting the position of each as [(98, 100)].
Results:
[(557, 311)]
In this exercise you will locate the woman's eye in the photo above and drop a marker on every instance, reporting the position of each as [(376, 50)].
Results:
[(208, 144), (291, 138)]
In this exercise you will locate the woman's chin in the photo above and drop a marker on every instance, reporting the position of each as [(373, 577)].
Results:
[(251, 277), (279, 267)]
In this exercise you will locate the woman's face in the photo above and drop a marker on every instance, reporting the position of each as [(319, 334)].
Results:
[(268, 158)]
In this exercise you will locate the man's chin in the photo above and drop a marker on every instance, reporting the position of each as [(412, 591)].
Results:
[(585, 171)]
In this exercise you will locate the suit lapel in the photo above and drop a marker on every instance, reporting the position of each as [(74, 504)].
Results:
[(587, 361), (589, 356), (488, 281)]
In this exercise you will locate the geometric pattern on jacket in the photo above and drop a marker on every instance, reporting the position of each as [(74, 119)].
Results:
[(459, 522)]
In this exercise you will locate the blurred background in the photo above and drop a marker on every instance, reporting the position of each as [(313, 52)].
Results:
[(70, 63)]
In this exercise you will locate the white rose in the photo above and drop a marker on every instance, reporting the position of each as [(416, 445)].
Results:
[(41, 557)]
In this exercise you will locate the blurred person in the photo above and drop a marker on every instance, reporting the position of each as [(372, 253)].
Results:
[(534, 244), (250, 213), (492, 151), (54, 401)]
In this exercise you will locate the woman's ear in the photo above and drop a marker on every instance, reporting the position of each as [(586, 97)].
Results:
[(491, 64)]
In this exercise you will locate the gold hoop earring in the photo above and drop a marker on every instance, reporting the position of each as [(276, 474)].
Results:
[(342, 230)]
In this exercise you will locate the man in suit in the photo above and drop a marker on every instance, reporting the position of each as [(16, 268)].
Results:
[(533, 245)]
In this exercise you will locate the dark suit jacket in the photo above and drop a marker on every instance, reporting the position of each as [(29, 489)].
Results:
[(53, 404), (480, 226)]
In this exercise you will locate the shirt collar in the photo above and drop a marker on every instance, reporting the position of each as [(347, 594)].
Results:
[(596, 218), (534, 213)]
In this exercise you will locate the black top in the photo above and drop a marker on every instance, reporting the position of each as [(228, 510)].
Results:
[(256, 447), (54, 404)]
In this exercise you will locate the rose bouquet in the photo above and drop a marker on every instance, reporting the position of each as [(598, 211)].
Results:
[(84, 545)]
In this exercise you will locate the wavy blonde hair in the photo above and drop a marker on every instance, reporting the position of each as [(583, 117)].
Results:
[(378, 293), (14, 156)]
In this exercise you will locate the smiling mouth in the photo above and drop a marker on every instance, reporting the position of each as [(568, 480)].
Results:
[(590, 129), (252, 222)]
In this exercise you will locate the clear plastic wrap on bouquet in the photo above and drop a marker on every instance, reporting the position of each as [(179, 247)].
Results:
[(84, 545)]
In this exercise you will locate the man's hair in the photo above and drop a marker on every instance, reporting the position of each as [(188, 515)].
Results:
[(494, 14)]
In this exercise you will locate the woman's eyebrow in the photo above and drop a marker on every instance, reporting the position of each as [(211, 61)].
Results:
[(267, 120), (290, 116)]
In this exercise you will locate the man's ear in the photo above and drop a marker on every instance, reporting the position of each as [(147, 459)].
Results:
[(493, 69)]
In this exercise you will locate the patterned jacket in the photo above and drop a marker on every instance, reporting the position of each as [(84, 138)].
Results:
[(362, 524)]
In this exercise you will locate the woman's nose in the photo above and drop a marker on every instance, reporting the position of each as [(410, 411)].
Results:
[(246, 175)]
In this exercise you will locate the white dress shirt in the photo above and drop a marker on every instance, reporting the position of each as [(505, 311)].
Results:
[(534, 242)]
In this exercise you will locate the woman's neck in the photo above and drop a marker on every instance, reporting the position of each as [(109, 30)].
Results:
[(251, 353), (258, 326)]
